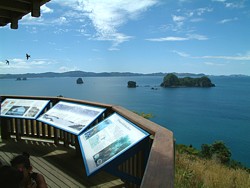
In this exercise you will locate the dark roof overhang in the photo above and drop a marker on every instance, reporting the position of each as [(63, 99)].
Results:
[(11, 11)]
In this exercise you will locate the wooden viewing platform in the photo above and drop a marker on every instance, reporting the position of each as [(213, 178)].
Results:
[(56, 154), (60, 166)]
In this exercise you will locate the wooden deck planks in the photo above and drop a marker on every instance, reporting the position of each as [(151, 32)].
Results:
[(60, 166)]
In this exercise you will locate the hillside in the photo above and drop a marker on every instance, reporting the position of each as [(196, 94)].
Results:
[(194, 172), (87, 74)]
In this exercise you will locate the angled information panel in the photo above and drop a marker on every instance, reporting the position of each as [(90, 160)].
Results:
[(71, 117), (22, 108), (107, 140)]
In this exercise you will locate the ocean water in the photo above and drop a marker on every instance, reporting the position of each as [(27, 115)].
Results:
[(195, 115)]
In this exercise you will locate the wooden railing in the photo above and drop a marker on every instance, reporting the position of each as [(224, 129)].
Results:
[(151, 166)]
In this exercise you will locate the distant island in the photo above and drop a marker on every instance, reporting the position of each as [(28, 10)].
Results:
[(171, 80), (94, 74), (18, 78), (88, 74), (132, 84)]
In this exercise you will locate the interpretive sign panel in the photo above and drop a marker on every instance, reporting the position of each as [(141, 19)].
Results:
[(71, 117), (22, 108), (107, 140)]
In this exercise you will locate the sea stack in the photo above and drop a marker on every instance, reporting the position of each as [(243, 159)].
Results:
[(131, 84), (79, 81)]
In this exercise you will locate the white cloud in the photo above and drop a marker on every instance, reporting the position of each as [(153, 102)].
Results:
[(107, 18), (17, 64), (18, 61), (239, 4), (201, 11), (178, 22), (237, 58), (178, 18), (214, 64), (61, 20), (29, 20), (236, 4), (39, 62), (184, 1), (45, 9), (118, 39), (14, 65), (182, 54), (66, 69), (172, 38), (219, 0), (228, 20), (168, 39), (184, 16), (197, 37)]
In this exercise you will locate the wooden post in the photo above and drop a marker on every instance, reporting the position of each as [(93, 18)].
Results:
[(35, 10), (32, 126), (56, 140), (14, 24), (65, 139), (77, 146), (5, 128), (18, 129)]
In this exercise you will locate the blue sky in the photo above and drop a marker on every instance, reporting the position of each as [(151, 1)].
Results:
[(144, 36)]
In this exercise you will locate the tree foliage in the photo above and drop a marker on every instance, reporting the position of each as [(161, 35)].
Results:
[(206, 151), (217, 150), (170, 80)]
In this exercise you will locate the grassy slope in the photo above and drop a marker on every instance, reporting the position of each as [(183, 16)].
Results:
[(192, 171)]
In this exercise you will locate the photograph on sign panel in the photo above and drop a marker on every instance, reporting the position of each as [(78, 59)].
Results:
[(22, 108), (17, 110), (107, 140), (96, 129), (71, 117), (112, 150)]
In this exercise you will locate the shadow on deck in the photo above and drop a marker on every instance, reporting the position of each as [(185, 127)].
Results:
[(61, 166)]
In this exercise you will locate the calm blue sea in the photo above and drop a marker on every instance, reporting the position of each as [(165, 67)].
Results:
[(195, 115)]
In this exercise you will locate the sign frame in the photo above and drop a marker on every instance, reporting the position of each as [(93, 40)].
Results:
[(97, 155), (71, 117), (22, 108)]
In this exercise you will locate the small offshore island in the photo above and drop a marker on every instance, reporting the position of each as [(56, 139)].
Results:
[(171, 80)]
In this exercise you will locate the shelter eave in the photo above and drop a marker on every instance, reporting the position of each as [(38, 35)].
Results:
[(12, 11)]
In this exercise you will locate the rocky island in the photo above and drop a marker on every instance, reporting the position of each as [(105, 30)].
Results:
[(131, 84), (79, 81), (19, 78), (171, 80)]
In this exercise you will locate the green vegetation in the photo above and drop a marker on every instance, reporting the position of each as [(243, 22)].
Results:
[(171, 80), (217, 151), (209, 167), (145, 115)]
